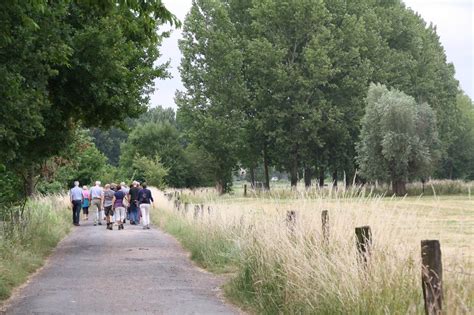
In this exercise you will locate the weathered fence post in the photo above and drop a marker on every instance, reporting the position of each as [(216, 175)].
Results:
[(325, 226), (291, 220), (364, 241), (208, 210), (245, 190), (186, 208), (196, 211), (432, 276)]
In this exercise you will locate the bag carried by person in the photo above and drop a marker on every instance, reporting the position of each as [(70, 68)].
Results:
[(144, 197)]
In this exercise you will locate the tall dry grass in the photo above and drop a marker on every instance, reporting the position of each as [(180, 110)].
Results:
[(25, 242), (278, 270)]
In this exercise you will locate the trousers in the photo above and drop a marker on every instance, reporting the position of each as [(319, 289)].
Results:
[(145, 209), (76, 211)]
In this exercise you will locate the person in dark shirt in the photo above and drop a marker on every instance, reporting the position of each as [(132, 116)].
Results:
[(119, 208), (133, 197), (146, 199)]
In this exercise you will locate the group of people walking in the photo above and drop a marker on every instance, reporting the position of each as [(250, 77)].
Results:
[(114, 203)]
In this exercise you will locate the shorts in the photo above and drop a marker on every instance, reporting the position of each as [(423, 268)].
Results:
[(108, 211), (85, 210)]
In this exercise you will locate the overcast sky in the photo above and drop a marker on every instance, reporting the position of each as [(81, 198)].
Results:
[(453, 19)]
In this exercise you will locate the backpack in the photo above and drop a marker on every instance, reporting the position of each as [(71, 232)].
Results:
[(144, 197)]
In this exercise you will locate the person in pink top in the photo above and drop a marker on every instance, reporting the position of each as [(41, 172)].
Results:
[(85, 202)]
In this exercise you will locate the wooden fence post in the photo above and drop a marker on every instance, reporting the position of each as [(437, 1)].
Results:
[(325, 226), (364, 241), (196, 211), (186, 208), (245, 190), (208, 210), (432, 276), (291, 220)]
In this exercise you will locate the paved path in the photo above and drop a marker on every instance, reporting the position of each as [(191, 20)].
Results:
[(133, 271)]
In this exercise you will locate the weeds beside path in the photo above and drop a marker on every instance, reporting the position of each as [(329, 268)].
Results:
[(288, 271), (25, 245)]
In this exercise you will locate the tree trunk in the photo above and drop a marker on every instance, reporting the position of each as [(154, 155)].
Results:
[(321, 178), (252, 177), (294, 173), (307, 177), (334, 179), (350, 178), (29, 182), (399, 187), (265, 169), (220, 187)]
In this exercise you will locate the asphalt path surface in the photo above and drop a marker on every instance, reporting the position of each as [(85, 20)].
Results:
[(131, 271)]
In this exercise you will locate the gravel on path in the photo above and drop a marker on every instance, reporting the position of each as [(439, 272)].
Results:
[(131, 271)]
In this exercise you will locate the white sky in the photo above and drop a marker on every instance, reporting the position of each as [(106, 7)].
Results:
[(453, 19)]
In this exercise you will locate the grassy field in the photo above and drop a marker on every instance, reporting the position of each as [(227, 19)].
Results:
[(275, 270), (25, 245)]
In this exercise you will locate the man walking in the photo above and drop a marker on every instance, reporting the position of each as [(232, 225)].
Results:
[(96, 196), (133, 198), (76, 200)]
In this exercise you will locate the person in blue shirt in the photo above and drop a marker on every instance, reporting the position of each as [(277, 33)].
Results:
[(75, 195)]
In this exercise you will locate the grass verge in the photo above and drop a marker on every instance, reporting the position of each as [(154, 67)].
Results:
[(25, 244), (278, 270)]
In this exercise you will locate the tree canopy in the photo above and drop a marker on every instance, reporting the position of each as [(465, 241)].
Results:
[(399, 138), (71, 64), (283, 83)]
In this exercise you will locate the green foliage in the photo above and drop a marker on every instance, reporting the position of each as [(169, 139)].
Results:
[(209, 70), (149, 170), (66, 64), (80, 160), (108, 142), (399, 139), (283, 83), (459, 162), (156, 139), (211, 250)]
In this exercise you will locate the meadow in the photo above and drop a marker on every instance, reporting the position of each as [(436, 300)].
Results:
[(276, 269)]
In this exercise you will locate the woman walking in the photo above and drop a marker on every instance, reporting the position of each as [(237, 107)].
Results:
[(85, 202), (145, 199), (119, 208)]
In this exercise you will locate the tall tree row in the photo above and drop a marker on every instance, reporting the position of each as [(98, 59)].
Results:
[(284, 83)]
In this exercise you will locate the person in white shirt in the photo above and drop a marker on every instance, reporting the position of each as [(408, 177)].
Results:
[(96, 196), (76, 200)]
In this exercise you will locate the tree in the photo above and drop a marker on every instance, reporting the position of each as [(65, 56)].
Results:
[(149, 170), (80, 160), (399, 139), (459, 162), (108, 142), (210, 71), (67, 64)]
